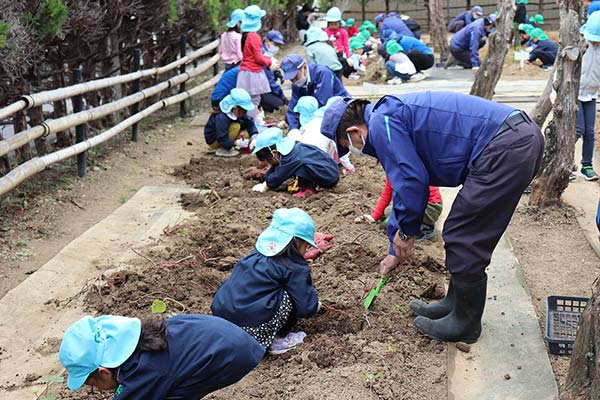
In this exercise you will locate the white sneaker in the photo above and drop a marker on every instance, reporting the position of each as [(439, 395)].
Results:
[(226, 153), (354, 76), (419, 76), (395, 81)]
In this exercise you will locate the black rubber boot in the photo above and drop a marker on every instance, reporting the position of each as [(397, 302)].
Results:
[(463, 324), (435, 310)]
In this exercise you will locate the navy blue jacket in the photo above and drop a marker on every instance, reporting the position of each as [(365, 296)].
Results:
[(428, 138), (392, 25), (307, 162), (252, 294), (217, 129), (547, 46), (465, 16), (204, 354), (323, 85), (468, 39), (227, 82)]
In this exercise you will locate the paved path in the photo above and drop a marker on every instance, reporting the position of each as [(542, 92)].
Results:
[(31, 319), (511, 342)]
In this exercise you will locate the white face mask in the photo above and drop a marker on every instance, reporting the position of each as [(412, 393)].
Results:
[(301, 82), (232, 116), (272, 49), (356, 150)]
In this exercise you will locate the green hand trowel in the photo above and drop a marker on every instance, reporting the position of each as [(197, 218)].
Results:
[(375, 291)]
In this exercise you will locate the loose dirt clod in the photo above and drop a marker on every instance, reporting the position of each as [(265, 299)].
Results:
[(465, 348)]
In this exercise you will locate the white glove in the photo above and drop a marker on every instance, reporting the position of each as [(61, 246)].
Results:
[(350, 62), (260, 187), (242, 143), (475, 69), (274, 64), (252, 144), (319, 305), (365, 218)]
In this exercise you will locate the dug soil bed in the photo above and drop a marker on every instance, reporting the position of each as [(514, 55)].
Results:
[(349, 353)]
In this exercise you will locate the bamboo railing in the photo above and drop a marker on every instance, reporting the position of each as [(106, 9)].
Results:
[(37, 164)]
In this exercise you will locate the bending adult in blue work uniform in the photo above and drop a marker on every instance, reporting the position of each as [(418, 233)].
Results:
[(309, 80), (465, 18), (183, 357), (465, 44), (445, 139)]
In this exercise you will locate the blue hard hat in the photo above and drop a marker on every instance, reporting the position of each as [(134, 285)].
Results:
[(379, 18), (477, 10), (287, 223), (252, 18), (274, 137), (314, 34), (275, 36), (591, 29), (236, 16), (106, 341), (334, 14), (306, 107), (237, 97), (290, 66), (595, 6)]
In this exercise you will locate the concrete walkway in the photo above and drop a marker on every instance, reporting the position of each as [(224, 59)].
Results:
[(36, 313)]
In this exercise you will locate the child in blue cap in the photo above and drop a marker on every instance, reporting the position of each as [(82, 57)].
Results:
[(231, 127), (271, 287), (182, 357), (230, 46), (307, 165), (311, 117)]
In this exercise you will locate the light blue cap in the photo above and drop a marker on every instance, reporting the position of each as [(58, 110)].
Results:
[(274, 136), (252, 18), (286, 224), (591, 29), (236, 16), (334, 14), (237, 97), (106, 341), (306, 107), (314, 34), (320, 113)]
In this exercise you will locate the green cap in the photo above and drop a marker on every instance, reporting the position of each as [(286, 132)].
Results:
[(526, 28), (365, 35), (522, 1), (356, 42), (392, 47), (539, 34), (538, 19)]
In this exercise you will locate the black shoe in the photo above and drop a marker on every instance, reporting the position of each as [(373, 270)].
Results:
[(435, 310), (463, 324)]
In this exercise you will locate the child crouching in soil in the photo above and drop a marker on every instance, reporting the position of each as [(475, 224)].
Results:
[(182, 357), (271, 287), (307, 165)]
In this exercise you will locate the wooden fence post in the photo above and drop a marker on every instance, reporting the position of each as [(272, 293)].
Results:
[(80, 130), (135, 87), (182, 110)]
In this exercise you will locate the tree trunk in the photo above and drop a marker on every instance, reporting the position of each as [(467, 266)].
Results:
[(20, 124), (438, 29), (491, 69), (554, 178), (540, 6), (544, 104), (387, 6), (36, 117), (583, 381)]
